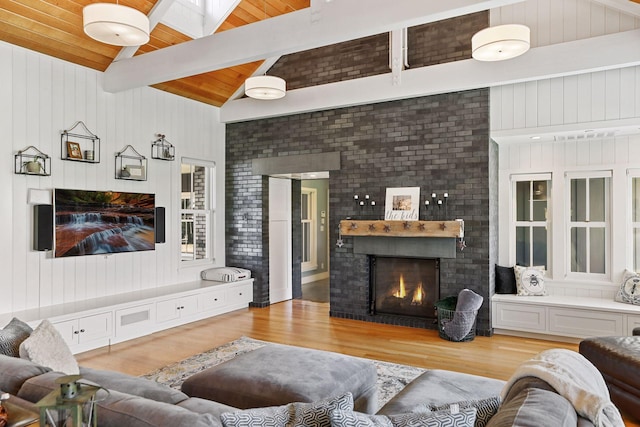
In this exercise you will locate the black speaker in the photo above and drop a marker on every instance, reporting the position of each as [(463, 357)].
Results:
[(160, 225), (43, 227)]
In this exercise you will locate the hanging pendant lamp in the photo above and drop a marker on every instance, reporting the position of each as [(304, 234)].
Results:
[(265, 87), (500, 42), (115, 24)]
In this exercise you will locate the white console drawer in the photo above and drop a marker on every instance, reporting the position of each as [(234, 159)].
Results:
[(241, 294), (212, 300), (584, 323), (520, 317)]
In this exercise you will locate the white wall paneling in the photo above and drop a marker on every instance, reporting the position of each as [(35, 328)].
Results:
[(41, 96)]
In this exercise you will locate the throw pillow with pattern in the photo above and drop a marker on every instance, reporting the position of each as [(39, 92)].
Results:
[(316, 414), (486, 408), (463, 418), (12, 335), (530, 280), (274, 416)]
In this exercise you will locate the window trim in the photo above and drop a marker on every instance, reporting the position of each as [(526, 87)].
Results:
[(514, 223), (588, 174), (312, 207), (210, 213), (630, 224)]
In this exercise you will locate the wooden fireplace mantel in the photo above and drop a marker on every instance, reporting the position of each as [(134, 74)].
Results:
[(455, 229)]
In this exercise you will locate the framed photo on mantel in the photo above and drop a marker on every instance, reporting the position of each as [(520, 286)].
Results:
[(402, 204)]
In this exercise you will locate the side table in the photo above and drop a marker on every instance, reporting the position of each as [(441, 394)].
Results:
[(21, 412)]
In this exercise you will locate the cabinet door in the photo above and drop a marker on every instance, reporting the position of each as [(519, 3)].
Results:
[(520, 317), (167, 310), (69, 331), (95, 327), (188, 305)]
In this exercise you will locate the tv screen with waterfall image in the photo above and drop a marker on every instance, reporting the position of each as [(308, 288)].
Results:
[(102, 222)]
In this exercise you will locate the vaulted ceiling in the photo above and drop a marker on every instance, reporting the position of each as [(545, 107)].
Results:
[(54, 27), (212, 68)]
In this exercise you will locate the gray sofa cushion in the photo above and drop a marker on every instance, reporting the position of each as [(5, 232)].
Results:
[(121, 409), (436, 388), (530, 406), (36, 388), (133, 385), (204, 406), (15, 371)]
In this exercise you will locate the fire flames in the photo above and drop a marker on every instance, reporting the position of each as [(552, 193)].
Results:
[(418, 294)]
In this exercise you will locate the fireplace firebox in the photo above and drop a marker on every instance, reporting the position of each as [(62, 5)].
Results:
[(404, 286)]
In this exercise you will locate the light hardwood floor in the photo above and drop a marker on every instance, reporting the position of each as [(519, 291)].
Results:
[(308, 324)]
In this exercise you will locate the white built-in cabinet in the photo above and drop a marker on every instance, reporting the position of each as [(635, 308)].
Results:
[(87, 329), (99, 322), (563, 316)]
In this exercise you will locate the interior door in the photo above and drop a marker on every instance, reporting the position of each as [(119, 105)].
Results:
[(280, 274)]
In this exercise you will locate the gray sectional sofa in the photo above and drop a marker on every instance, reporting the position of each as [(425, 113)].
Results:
[(137, 402)]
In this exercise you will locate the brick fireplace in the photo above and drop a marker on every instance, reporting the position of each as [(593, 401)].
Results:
[(439, 143)]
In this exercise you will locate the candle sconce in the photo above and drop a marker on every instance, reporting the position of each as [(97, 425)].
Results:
[(364, 203), (438, 206)]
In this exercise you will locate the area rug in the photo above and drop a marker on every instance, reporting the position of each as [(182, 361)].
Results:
[(391, 377)]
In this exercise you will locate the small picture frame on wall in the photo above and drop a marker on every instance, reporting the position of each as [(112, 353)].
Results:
[(402, 204), (73, 150), (135, 171)]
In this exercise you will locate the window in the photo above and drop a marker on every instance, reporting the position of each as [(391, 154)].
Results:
[(589, 223), (635, 218), (196, 210), (531, 225), (309, 229)]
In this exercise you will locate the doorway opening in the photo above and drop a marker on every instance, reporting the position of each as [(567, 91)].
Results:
[(314, 218)]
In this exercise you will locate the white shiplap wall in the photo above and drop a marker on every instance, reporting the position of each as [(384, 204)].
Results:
[(566, 106), (39, 97)]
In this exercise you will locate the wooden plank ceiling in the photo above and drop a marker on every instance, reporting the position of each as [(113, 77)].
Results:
[(54, 28)]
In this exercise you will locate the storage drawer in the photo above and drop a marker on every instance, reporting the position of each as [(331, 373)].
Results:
[(212, 300), (520, 316), (584, 323), (240, 295)]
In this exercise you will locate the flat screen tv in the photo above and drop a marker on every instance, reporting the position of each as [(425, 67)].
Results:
[(102, 222)]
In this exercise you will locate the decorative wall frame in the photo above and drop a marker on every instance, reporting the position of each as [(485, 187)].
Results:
[(130, 164), (162, 149), (402, 204), (80, 147), (32, 161)]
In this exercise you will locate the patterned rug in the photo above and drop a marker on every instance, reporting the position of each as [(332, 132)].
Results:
[(391, 377)]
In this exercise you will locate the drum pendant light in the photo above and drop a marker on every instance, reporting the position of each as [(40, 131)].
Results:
[(265, 87), (500, 42), (115, 24)]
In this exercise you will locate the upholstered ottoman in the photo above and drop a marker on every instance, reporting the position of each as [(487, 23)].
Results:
[(279, 374), (436, 388), (618, 360)]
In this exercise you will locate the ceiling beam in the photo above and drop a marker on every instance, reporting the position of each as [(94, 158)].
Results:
[(630, 7), (159, 10), (588, 55), (338, 21)]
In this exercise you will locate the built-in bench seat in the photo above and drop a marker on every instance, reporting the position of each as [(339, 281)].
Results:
[(97, 322), (562, 316)]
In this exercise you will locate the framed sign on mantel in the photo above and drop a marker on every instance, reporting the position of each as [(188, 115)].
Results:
[(402, 204)]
